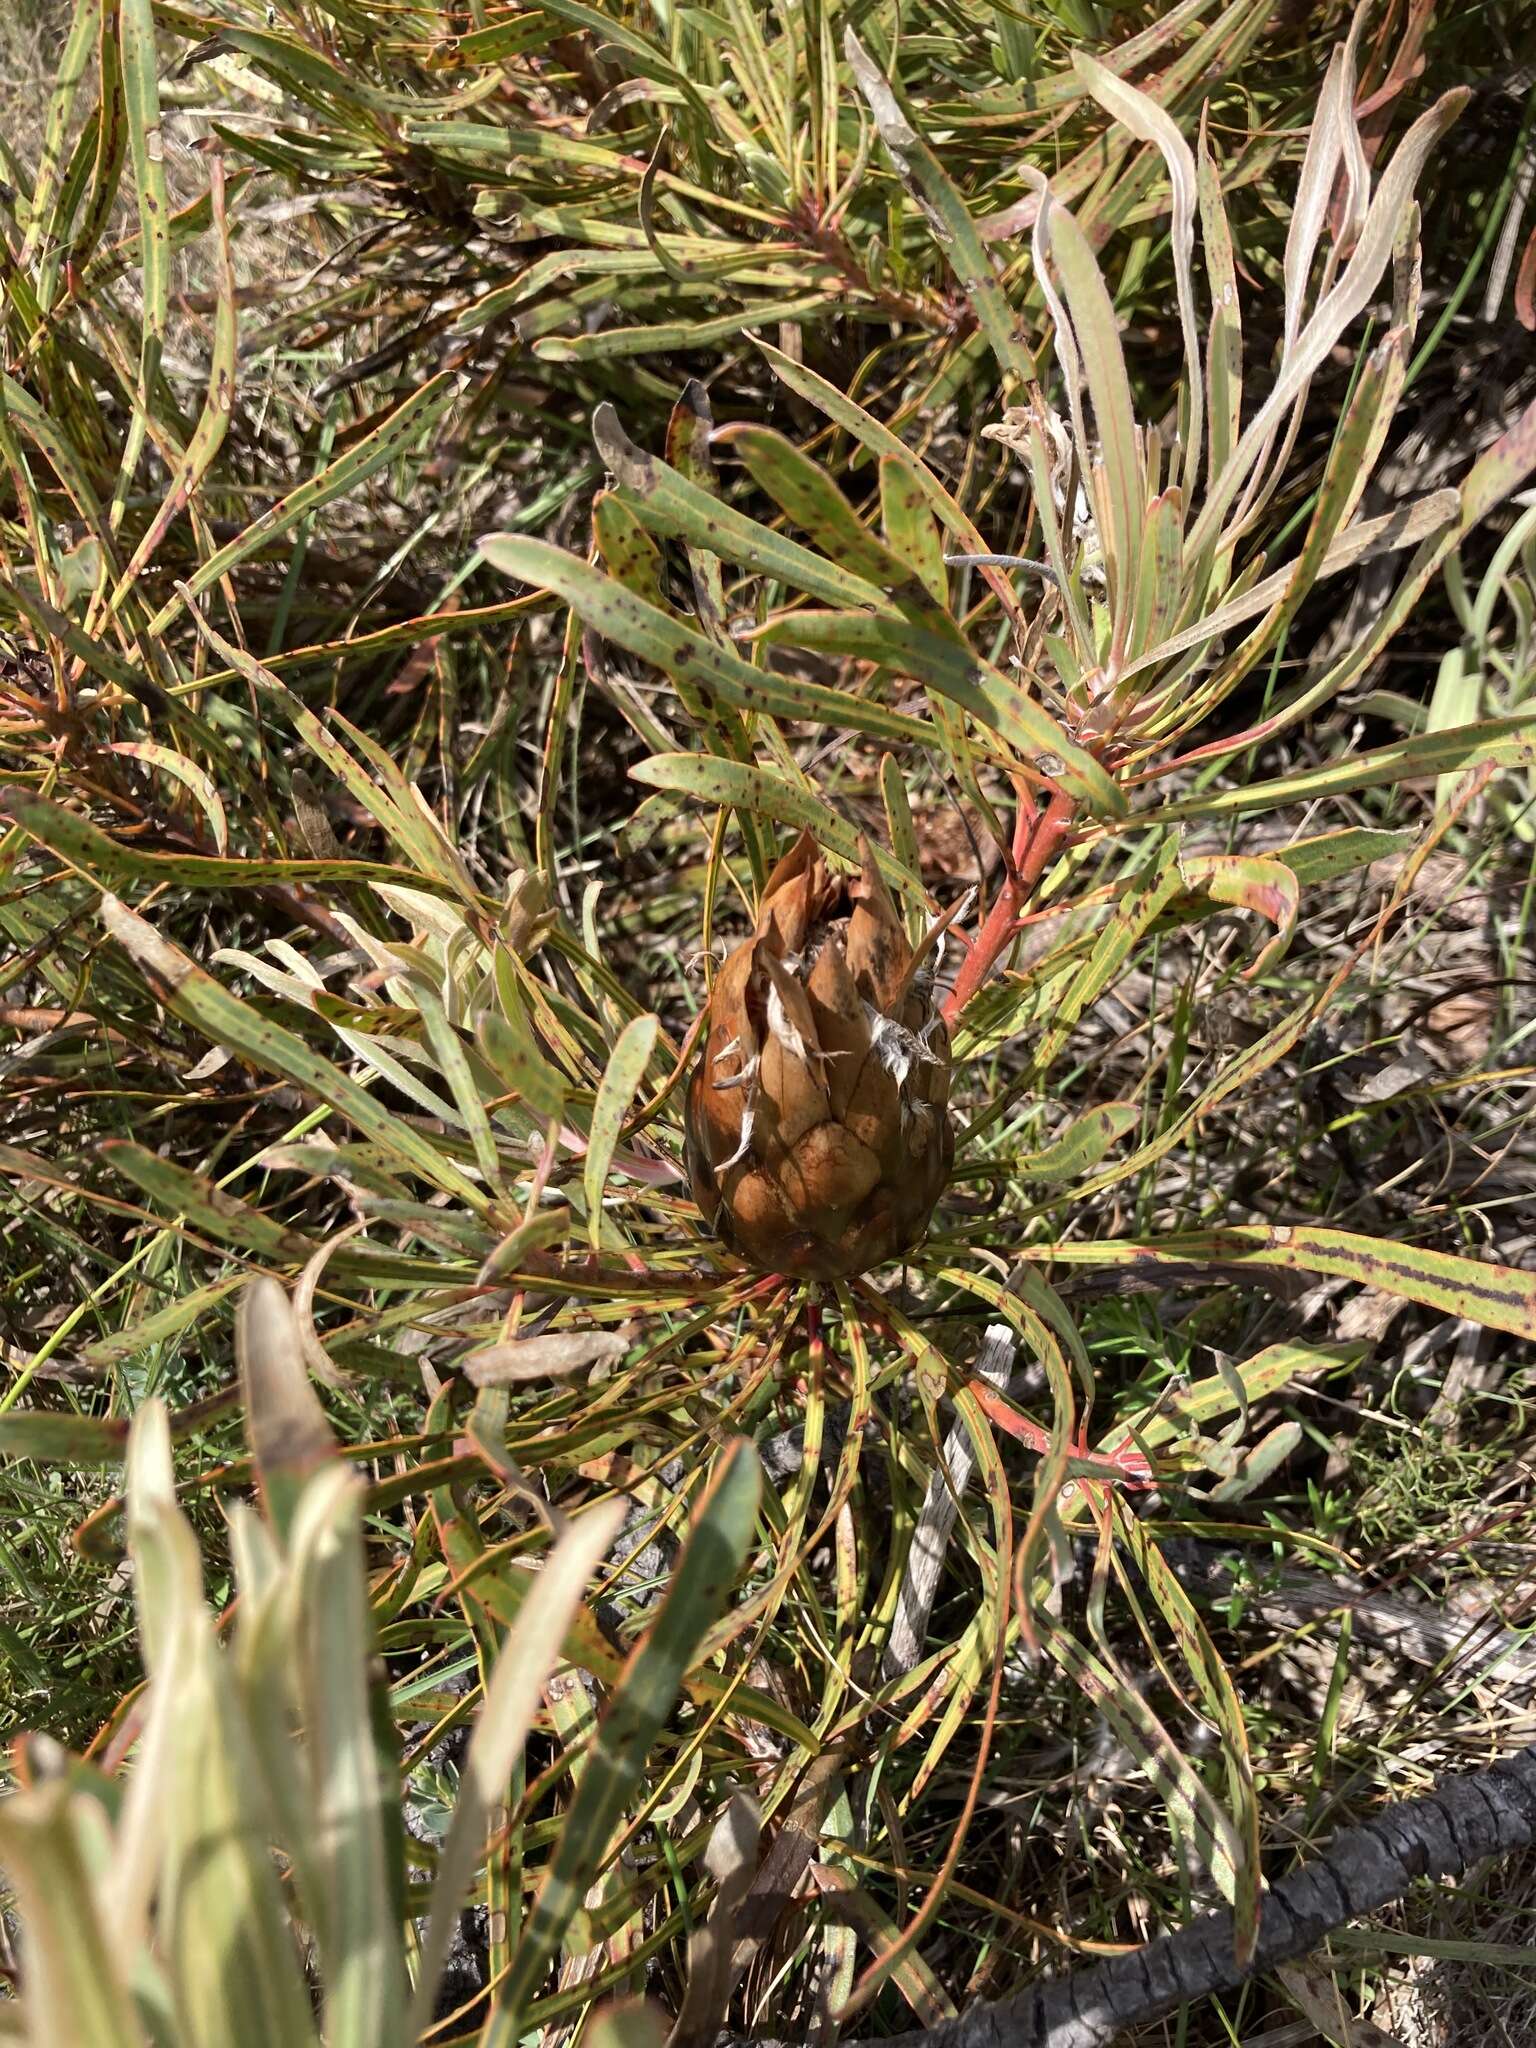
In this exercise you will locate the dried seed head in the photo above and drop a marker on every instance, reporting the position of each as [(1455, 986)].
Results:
[(819, 1137)]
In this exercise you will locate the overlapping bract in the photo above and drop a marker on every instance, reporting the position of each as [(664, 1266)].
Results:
[(819, 1136)]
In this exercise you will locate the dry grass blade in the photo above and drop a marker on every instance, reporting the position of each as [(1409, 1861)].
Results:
[(556, 1356), (941, 1505), (731, 1859)]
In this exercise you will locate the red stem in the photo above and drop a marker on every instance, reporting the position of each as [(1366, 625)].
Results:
[(1037, 838)]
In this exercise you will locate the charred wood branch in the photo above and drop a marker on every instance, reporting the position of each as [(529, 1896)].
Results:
[(1490, 1812)]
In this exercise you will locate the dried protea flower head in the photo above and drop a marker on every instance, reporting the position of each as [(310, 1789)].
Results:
[(818, 1117)]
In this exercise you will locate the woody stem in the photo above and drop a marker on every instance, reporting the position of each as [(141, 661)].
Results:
[(1036, 843)]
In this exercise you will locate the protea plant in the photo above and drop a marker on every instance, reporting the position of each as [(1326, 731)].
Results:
[(819, 1136)]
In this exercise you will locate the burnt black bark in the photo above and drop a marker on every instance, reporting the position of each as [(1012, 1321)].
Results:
[(1484, 1813)]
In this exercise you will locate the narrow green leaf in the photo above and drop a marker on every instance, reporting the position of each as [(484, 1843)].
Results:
[(62, 1439), (51, 624), (469, 1098), (629, 554), (688, 436), (207, 1208), (1167, 1769), (611, 343), (1214, 1684), (1224, 341), (74, 1991), (1095, 336), (761, 793), (407, 424), (621, 1079), (188, 774), (668, 644), (668, 503), (918, 166), (74, 60), (353, 1785), (1265, 1374), (1161, 576), (207, 436), (719, 1538), (1246, 1469), (62, 452), (1332, 545), (1509, 741), (880, 441), (146, 147), (1250, 882), (807, 495), (911, 527), (916, 1980), (1331, 854), (1239, 1073), (507, 1041), (900, 829), (513, 1692), (945, 665), (221, 1915), (1500, 470), (387, 795), (1455, 699), (285, 1425), (1131, 918), (84, 846), (1498, 1297), (110, 153), (1152, 123), (193, 995), (1082, 1144), (162, 1326)]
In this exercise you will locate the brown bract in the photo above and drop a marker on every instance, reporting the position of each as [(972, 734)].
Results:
[(819, 1136)]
